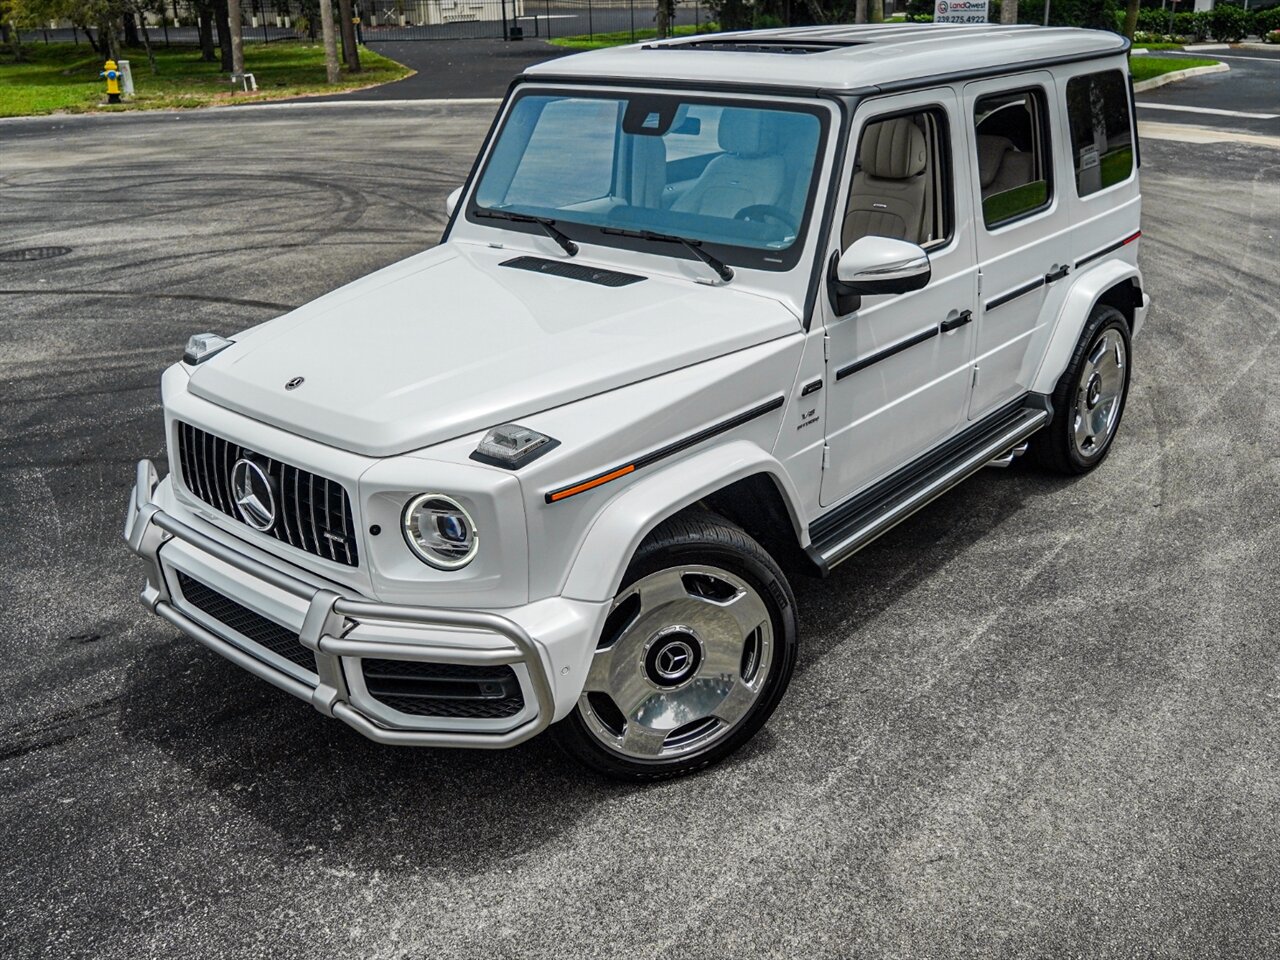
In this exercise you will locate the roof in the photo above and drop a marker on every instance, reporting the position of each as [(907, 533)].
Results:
[(837, 57)]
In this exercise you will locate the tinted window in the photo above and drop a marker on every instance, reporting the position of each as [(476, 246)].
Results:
[(1013, 155), (566, 160), (902, 181), (1101, 135), (718, 172)]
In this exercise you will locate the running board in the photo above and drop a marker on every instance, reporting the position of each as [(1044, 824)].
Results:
[(846, 530)]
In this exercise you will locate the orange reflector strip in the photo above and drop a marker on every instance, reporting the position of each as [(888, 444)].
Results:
[(594, 482), (1128, 240)]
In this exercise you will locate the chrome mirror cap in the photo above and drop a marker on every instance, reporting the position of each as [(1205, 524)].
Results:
[(451, 202), (875, 265)]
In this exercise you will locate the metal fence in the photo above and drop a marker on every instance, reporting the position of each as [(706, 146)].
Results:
[(386, 20)]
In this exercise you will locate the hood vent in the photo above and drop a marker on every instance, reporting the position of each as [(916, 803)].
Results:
[(573, 271)]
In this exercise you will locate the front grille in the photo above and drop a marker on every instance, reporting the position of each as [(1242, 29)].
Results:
[(265, 633), (452, 690), (313, 513)]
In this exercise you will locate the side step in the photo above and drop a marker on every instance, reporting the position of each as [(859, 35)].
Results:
[(847, 529)]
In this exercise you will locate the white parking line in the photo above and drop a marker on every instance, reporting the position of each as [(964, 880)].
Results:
[(1236, 56), (1213, 110)]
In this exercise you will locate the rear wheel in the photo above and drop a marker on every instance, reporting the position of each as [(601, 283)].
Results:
[(696, 652), (1089, 399)]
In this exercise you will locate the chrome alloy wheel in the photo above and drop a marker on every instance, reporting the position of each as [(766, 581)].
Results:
[(686, 656), (1099, 393)]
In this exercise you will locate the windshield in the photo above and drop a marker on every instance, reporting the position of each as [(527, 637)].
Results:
[(738, 177)]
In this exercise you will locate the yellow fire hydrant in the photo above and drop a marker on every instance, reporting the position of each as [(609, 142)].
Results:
[(111, 73)]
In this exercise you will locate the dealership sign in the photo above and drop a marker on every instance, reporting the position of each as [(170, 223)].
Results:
[(960, 11)]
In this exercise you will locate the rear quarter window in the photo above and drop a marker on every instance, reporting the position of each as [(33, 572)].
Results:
[(1101, 130)]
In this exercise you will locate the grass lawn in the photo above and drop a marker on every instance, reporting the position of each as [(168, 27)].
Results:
[(1144, 68), (64, 77), (601, 40), (1157, 46)]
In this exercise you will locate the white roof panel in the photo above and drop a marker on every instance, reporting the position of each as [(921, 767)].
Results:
[(835, 57)]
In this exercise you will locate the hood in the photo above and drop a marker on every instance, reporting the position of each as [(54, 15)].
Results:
[(451, 342)]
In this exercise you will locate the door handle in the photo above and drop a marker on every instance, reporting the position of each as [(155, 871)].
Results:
[(958, 321), (1058, 274)]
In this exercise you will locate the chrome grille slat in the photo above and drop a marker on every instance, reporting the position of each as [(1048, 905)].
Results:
[(207, 461), (326, 515), (285, 513)]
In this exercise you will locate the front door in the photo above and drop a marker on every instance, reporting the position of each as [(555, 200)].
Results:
[(899, 367)]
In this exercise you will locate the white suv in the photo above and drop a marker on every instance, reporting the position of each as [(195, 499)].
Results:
[(705, 309)]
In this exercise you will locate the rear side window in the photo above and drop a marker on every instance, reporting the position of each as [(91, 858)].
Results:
[(1101, 132), (1013, 155)]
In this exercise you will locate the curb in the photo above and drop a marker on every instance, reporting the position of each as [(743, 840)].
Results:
[(294, 104), (1177, 75)]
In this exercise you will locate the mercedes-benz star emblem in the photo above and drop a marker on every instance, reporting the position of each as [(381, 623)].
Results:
[(255, 499), (674, 658), (295, 383)]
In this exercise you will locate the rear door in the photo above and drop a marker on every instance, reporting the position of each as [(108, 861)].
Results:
[(1022, 228)]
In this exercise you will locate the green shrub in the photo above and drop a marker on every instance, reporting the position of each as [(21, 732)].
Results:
[(1273, 37), (1193, 26), (1267, 21), (1229, 24)]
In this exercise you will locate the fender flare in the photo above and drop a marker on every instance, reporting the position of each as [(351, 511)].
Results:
[(1084, 294), (625, 521)]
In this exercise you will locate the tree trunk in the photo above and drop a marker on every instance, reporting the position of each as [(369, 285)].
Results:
[(146, 39), (330, 43), (237, 41), (875, 11), (350, 52), (13, 35), (1008, 11), (107, 40), (204, 17), (1131, 18), (93, 43), (860, 12), (662, 20), (130, 30), (224, 34)]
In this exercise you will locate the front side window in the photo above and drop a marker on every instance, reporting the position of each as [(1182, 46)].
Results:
[(1101, 134), (738, 178), (901, 185), (1012, 155)]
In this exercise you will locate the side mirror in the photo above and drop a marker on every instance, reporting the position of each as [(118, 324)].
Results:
[(451, 202), (875, 265)]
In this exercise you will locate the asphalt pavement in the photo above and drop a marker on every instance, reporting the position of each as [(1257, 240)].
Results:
[(455, 68), (1245, 98), (1038, 719)]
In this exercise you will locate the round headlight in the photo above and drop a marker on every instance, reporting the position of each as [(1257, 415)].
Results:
[(440, 531)]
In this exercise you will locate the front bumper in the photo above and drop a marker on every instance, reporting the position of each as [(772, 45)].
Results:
[(341, 631)]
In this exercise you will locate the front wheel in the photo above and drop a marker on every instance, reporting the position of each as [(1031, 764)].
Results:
[(1089, 399), (694, 656)]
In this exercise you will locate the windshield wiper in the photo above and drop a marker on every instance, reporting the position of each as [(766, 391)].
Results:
[(548, 226), (722, 269)]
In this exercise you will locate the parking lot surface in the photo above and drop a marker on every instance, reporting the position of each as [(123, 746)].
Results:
[(1040, 718)]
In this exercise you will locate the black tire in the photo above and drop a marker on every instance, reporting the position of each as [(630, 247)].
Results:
[(1055, 448), (704, 539)]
